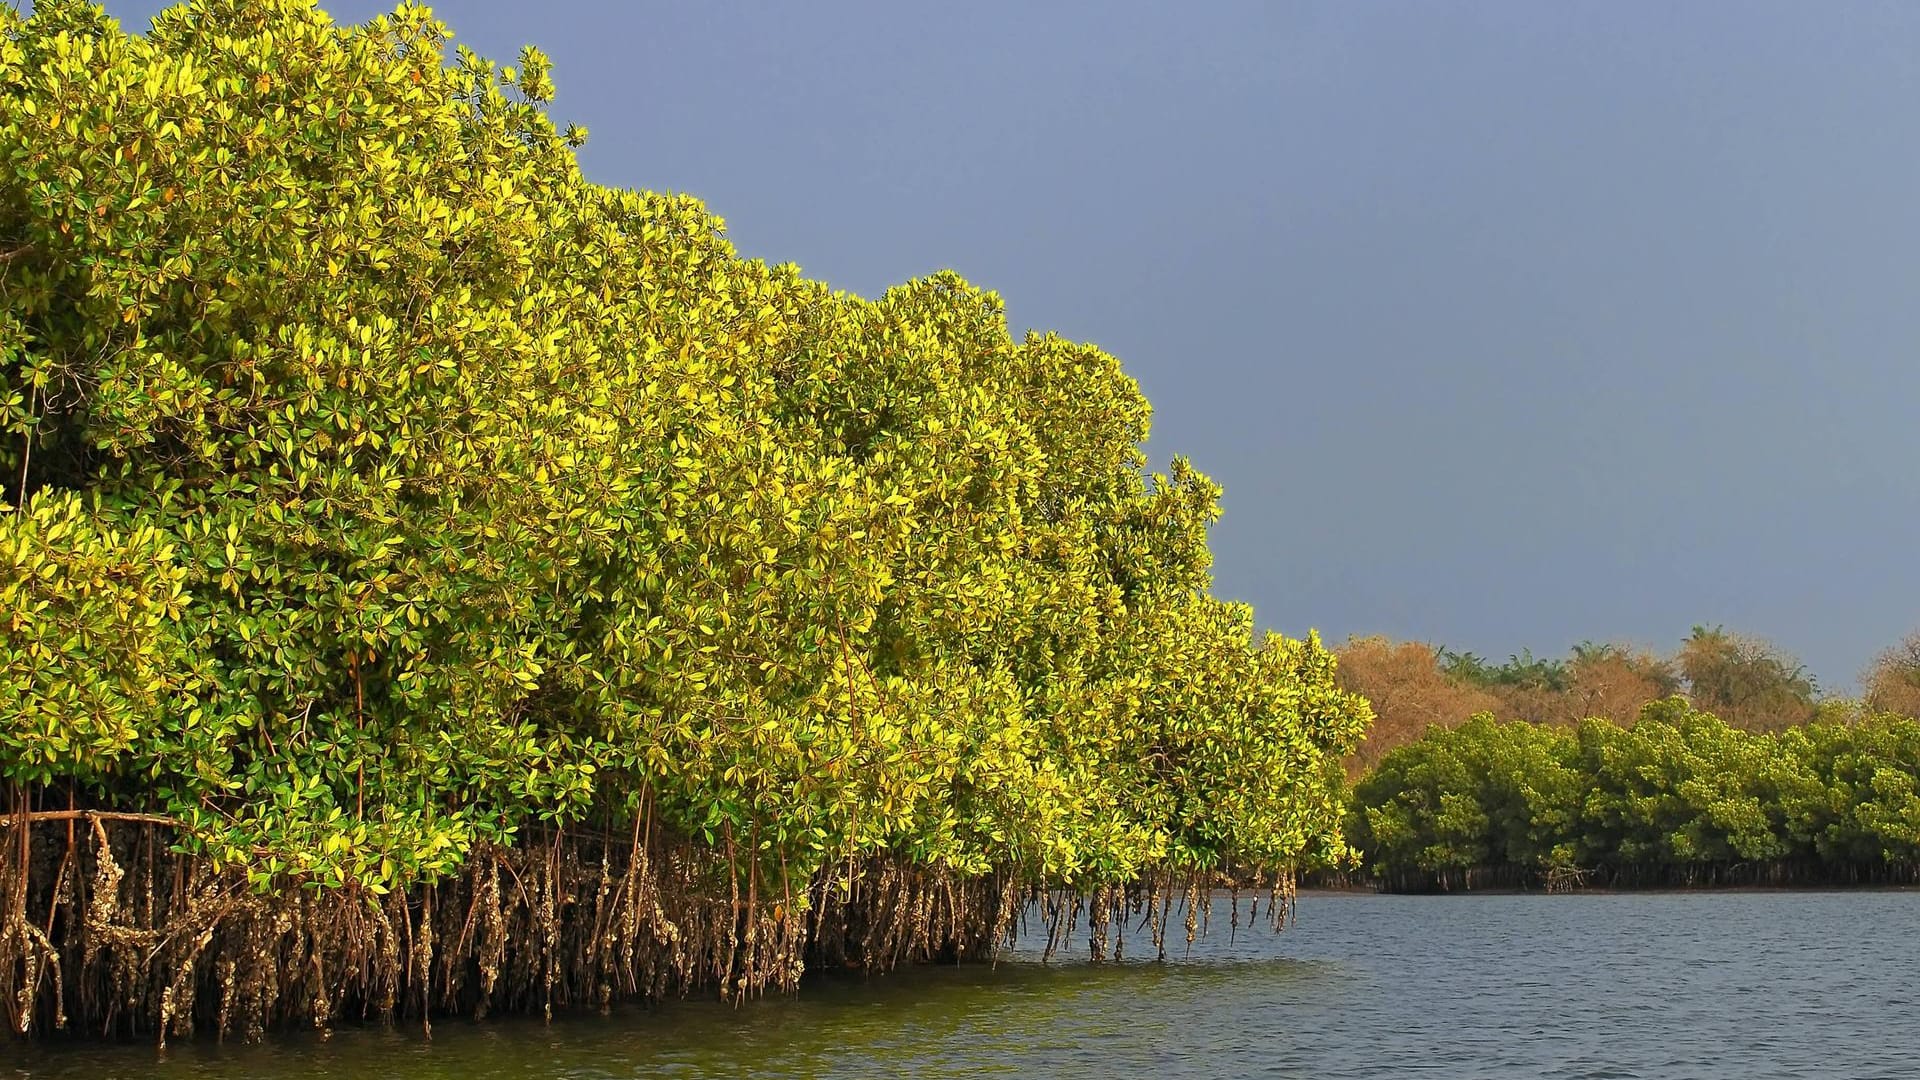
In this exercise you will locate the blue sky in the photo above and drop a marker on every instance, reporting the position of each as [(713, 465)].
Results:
[(1505, 325)]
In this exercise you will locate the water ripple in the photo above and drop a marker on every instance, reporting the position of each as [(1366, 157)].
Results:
[(1677, 986)]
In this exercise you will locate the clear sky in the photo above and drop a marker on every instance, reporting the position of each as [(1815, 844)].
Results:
[(1504, 325)]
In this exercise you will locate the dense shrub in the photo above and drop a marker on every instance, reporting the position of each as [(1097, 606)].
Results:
[(1678, 796)]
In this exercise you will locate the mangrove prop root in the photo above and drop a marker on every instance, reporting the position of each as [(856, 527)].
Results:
[(106, 926)]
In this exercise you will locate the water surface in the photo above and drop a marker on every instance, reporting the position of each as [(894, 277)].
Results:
[(1596, 987)]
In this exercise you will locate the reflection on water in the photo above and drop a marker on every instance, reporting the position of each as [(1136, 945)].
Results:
[(1599, 986)]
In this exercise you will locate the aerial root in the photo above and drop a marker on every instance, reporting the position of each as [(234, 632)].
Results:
[(117, 932)]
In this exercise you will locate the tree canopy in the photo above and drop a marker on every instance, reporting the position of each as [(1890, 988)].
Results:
[(377, 488)]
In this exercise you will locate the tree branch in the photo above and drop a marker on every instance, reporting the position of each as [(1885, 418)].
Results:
[(38, 816)]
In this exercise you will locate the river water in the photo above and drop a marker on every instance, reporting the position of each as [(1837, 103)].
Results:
[(1597, 987)]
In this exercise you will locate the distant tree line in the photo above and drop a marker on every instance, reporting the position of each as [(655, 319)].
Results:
[(1678, 798), (1748, 683)]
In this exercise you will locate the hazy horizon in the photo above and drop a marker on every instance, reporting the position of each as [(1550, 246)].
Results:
[(1504, 326)]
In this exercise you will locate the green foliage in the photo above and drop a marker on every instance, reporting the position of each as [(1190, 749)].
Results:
[(385, 488), (1524, 670), (1480, 794), (90, 651), (1677, 788)]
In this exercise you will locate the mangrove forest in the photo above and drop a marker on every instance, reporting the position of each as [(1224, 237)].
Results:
[(435, 584), (1678, 798)]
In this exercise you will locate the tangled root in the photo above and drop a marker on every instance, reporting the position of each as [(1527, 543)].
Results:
[(118, 933)]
